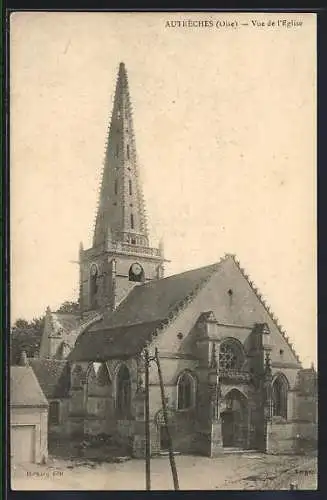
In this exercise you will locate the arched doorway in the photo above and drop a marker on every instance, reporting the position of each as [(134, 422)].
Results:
[(234, 420)]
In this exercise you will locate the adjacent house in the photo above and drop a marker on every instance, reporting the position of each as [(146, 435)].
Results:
[(28, 417), (54, 378)]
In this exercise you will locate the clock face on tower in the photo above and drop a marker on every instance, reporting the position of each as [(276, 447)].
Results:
[(136, 272), (94, 270), (136, 269)]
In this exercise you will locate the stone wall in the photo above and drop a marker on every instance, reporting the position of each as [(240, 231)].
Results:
[(60, 429), (291, 437)]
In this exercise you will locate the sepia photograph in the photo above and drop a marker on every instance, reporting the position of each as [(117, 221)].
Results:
[(163, 177)]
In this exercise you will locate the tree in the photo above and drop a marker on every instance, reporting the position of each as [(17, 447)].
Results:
[(69, 307), (25, 336)]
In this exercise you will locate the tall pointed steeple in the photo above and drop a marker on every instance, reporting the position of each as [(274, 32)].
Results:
[(121, 215), (121, 256)]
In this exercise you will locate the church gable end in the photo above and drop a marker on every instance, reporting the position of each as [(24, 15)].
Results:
[(229, 298)]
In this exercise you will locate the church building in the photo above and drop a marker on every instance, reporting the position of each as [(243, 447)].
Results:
[(231, 376)]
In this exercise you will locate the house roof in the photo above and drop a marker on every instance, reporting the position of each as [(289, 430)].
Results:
[(25, 389), (53, 376)]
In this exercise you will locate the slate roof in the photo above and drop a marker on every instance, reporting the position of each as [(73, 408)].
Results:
[(116, 342), (148, 306), (25, 389), (53, 376), (132, 324), (156, 299)]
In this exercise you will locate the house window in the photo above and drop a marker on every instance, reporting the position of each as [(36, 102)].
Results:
[(123, 395), (279, 396), (185, 391), (130, 187), (230, 356), (132, 221), (54, 411)]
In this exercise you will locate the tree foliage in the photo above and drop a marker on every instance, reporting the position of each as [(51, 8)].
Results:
[(69, 307)]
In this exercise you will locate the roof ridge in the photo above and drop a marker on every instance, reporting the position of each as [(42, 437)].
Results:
[(265, 305)]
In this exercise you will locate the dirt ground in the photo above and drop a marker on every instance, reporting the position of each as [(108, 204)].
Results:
[(253, 471)]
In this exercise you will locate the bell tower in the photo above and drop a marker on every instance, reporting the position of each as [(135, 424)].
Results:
[(121, 256)]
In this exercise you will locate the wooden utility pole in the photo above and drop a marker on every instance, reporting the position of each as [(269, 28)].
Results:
[(165, 415), (147, 422)]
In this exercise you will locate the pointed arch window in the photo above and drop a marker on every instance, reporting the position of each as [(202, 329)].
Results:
[(279, 396), (185, 391), (123, 392), (130, 187), (132, 221), (77, 377)]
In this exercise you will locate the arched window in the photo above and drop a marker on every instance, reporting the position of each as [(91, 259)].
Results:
[(132, 221), (116, 186), (279, 396), (230, 356), (77, 377), (130, 190), (127, 151), (123, 393), (103, 376), (185, 391), (93, 285)]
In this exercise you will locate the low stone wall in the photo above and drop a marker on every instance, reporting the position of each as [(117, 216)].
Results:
[(291, 437)]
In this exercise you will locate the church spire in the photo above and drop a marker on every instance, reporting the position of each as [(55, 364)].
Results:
[(121, 215)]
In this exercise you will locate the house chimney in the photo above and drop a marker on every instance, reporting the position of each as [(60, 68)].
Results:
[(23, 359)]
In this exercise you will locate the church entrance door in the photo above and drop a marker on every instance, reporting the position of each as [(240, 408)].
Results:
[(164, 440), (235, 420)]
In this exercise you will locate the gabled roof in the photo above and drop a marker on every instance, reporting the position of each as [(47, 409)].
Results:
[(147, 306), (25, 389), (156, 299), (154, 304), (115, 342), (53, 376)]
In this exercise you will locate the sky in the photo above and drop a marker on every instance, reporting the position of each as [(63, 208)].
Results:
[(225, 128)]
